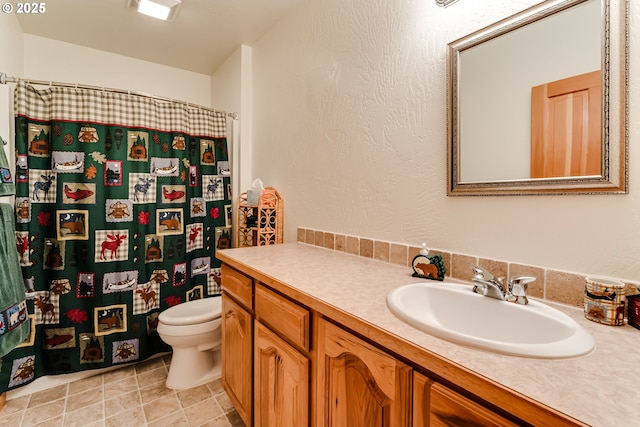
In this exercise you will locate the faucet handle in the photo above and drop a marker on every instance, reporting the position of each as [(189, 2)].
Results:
[(520, 282), (518, 288), (482, 274)]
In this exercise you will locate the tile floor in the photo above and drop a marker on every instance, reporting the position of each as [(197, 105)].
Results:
[(133, 396)]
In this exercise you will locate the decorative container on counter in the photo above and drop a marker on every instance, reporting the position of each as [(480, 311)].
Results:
[(604, 301), (633, 315), (428, 266)]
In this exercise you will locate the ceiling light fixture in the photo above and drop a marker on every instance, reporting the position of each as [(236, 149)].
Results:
[(160, 9)]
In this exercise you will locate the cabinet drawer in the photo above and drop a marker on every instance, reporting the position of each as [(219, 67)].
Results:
[(448, 407), (238, 285), (284, 316)]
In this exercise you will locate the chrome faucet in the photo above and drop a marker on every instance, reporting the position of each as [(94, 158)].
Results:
[(488, 285)]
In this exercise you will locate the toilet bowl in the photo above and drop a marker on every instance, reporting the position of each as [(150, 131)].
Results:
[(192, 329)]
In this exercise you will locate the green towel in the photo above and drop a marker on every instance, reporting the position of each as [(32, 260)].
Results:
[(14, 324), (7, 187)]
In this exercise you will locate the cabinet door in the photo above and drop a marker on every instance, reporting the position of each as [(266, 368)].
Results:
[(421, 400), (448, 408), (358, 384), (281, 382), (565, 127), (237, 342)]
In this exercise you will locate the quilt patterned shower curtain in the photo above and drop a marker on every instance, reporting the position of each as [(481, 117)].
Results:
[(121, 202)]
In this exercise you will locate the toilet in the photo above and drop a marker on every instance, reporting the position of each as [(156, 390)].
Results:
[(192, 329)]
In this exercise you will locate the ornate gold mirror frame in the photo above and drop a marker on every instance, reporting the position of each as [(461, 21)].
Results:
[(614, 111)]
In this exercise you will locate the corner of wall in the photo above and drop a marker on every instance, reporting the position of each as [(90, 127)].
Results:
[(246, 116), (11, 45)]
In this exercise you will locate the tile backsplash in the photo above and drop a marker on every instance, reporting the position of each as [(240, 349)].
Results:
[(553, 285)]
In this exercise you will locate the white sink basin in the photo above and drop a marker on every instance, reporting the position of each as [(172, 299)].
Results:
[(455, 313)]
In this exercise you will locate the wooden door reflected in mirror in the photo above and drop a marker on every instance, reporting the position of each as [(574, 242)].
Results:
[(565, 127)]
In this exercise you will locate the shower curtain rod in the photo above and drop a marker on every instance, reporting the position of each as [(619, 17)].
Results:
[(4, 79)]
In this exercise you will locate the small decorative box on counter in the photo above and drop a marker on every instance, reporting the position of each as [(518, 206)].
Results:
[(428, 266), (604, 301), (633, 315)]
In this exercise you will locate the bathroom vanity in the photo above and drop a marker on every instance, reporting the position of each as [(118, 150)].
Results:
[(308, 340)]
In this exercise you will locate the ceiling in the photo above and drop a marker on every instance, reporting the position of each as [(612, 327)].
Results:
[(200, 39)]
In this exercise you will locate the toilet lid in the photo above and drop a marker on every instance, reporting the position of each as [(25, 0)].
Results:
[(192, 312)]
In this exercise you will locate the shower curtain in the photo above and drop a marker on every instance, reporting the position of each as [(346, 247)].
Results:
[(121, 202)]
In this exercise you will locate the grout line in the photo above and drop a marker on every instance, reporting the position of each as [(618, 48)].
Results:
[(144, 415), (572, 294), (66, 417), (66, 401)]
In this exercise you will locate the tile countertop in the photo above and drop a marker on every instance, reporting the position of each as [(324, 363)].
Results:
[(599, 389)]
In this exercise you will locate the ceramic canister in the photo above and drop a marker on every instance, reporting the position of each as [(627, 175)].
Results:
[(604, 300)]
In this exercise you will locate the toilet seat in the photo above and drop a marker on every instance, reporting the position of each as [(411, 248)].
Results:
[(193, 312)]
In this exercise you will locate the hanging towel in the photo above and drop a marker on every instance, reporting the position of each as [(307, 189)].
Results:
[(14, 324), (7, 118), (14, 327), (7, 187)]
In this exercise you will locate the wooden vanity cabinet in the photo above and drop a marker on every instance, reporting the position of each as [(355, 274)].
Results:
[(358, 384), (265, 353), (237, 341), (277, 373)]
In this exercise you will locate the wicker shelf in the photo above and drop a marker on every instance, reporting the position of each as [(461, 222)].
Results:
[(268, 216)]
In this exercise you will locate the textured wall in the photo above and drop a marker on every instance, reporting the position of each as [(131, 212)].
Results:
[(231, 91), (350, 126), (11, 45), (71, 63), (11, 64)]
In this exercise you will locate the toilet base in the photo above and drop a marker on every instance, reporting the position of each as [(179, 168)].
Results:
[(191, 368)]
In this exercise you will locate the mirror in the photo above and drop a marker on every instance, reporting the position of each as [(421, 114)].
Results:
[(538, 102)]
